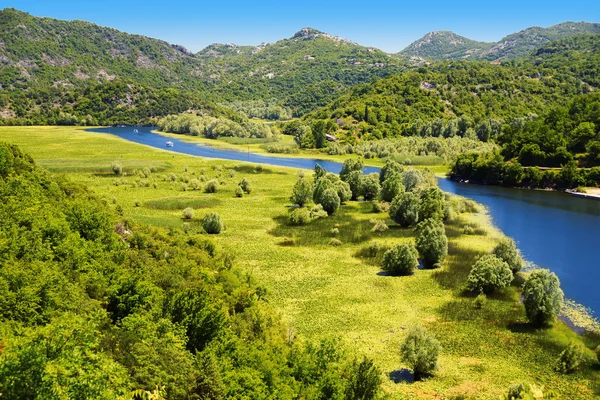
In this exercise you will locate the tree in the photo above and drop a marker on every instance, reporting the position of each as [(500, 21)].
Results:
[(364, 381), (390, 168), (330, 201), (404, 209), (400, 260), (542, 297), (355, 179), (319, 172), (318, 132), (392, 187), (489, 274), (412, 178), (507, 251), (349, 166), (431, 204), (212, 223), (370, 186), (420, 351), (431, 241), (245, 185), (343, 191), (302, 192)]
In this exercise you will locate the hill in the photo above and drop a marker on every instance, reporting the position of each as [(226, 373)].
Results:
[(444, 45)]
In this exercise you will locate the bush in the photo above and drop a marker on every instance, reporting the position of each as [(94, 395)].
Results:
[(420, 351), (300, 216), (542, 297), (212, 186), (195, 184), (507, 251), (400, 260), (317, 212), (335, 242), (391, 188), (431, 203), (379, 226), (188, 213), (404, 209), (212, 223), (412, 178), (137, 203), (431, 242), (343, 191), (330, 201), (489, 274), (390, 168), (364, 380), (239, 192), (370, 186), (116, 168), (480, 301), (246, 185), (371, 250), (569, 359), (302, 192), (334, 231)]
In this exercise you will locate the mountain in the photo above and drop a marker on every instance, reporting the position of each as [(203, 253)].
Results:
[(444, 45)]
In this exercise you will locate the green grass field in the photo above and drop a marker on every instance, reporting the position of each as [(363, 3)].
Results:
[(326, 291)]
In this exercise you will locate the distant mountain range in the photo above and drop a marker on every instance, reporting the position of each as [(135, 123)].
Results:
[(446, 45)]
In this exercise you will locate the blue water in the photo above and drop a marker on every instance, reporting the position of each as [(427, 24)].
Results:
[(553, 230)]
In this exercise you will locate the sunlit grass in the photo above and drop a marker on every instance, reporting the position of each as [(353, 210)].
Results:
[(326, 291)]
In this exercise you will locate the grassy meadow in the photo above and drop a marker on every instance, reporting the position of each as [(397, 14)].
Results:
[(321, 290)]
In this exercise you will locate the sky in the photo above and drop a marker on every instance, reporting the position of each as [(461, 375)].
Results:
[(387, 25)]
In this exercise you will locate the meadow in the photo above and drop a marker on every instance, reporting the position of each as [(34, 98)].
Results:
[(322, 290)]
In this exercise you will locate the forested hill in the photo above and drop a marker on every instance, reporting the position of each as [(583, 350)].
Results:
[(444, 45)]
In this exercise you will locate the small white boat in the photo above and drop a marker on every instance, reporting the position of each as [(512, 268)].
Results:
[(169, 144), (135, 131)]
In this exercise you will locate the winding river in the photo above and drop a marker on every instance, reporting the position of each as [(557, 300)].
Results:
[(553, 230)]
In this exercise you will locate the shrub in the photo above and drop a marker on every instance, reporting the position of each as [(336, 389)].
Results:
[(379, 226), (468, 230), (370, 186), (302, 192), (116, 168), (238, 191), (354, 179), (212, 186), (507, 250), (183, 186), (480, 301), (391, 188), (420, 351), (431, 241), (364, 380), (431, 203), (404, 209), (188, 213), (137, 203), (155, 185), (317, 212), (542, 297), (246, 185), (371, 250), (195, 184), (330, 201), (489, 274), (390, 168), (569, 359), (350, 165), (343, 191), (334, 231), (400, 260), (335, 242), (412, 178), (212, 223), (300, 216), (172, 178)]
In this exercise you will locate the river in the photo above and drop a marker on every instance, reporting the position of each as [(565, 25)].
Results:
[(553, 230)]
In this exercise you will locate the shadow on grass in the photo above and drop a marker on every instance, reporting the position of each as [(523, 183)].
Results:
[(258, 169), (402, 375), (522, 327)]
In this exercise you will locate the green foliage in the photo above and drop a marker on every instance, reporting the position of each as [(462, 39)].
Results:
[(300, 216), (400, 260), (246, 185), (350, 165), (239, 192), (480, 301), (212, 186), (369, 186), (404, 209), (116, 168), (188, 213), (431, 203), (420, 350), (489, 274), (507, 251), (212, 223), (542, 297), (302, 192), (569, 359), (354, 181), (330, 201), (431, 242), (391, 187), (364, 381), (390, 168)]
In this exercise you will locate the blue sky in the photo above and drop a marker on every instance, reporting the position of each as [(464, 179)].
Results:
[(388, 25)]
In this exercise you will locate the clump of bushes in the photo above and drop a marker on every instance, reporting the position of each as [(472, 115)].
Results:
[(212, 186), (188, 213), (420, 351), (400, 260), (334, 231), (371, 250), (317, 212), (212, 223), (489, 274)]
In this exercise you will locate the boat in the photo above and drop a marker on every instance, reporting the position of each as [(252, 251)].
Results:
[(169, 144), (135, 131)]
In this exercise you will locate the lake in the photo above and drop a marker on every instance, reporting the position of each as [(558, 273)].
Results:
[(553, 230)]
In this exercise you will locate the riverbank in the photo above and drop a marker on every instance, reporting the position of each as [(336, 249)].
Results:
[(326, 291)]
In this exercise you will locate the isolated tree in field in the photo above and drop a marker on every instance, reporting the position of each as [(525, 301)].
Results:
[(542, 297), (355, 179), (212, 223), (420, 351), (302, 191), (404, 209), (489, 274), (349, 166), (507, 250), (391, 187), (431, 203), (364, 380), (116, 168), (330, 201), (401, 260), (431, 241), (390, 168), (370, 186)]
